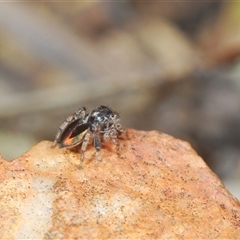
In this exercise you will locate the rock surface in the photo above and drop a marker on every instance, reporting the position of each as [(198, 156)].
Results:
[(153, 186)]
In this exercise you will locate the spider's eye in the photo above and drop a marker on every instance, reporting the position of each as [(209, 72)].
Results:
[(100, 117), (112, 115)]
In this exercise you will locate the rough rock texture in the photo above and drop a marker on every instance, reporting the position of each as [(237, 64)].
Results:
[(153, 186)]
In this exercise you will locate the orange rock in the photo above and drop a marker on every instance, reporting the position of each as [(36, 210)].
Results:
[(153, 186)]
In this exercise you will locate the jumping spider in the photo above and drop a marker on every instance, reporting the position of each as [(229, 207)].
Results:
[(82, 128)]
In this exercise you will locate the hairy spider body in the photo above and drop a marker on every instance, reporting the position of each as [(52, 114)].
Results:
[(82, 128)]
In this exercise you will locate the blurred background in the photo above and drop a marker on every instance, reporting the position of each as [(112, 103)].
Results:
[(167, 66)]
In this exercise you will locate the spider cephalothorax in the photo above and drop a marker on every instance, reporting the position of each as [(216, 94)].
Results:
[(82, 127)]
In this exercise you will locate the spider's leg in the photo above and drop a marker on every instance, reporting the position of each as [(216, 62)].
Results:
[(113, 135), (98, 155), (120, 128), (86, 140), (60, 131), (97, 144), (106, 136), (55, 143)]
